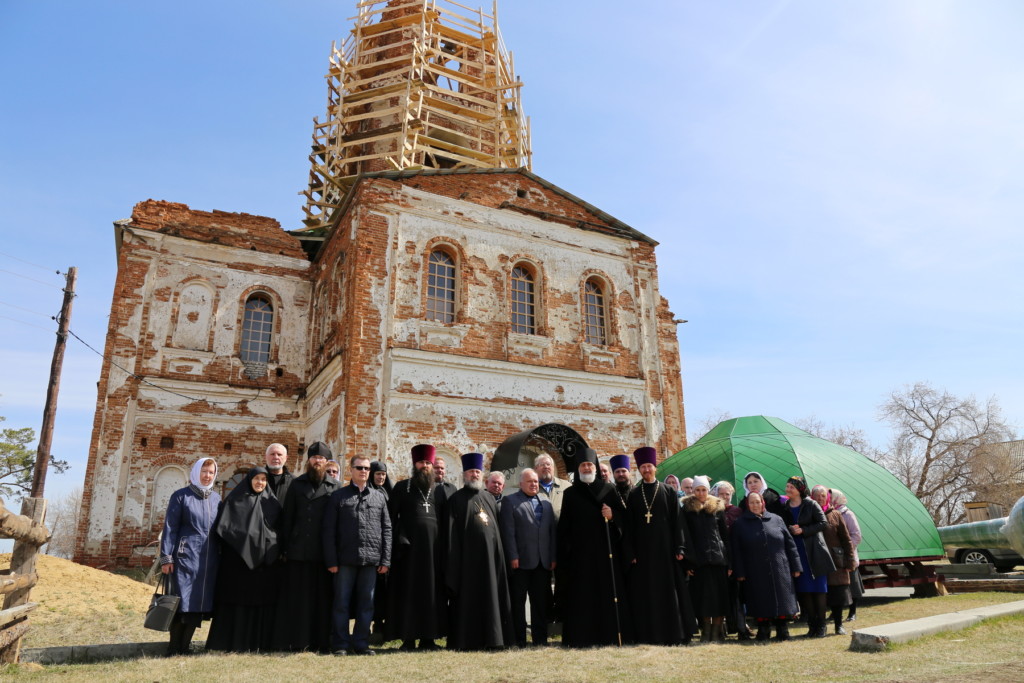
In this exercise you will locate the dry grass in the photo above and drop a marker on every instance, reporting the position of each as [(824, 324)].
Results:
[(108, 608), (80, 605)]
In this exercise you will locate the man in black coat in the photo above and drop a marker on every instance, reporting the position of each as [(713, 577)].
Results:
[(304, 608), (528, 533), (278, 476), (591, 518), (357, 547)]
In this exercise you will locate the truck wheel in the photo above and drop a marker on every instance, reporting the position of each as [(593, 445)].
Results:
[(975, 556)]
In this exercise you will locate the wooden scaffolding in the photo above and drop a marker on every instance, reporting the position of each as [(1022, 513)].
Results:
[(417, 83)]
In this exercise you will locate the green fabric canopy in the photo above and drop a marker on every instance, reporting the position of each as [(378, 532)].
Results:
[(893, 521)]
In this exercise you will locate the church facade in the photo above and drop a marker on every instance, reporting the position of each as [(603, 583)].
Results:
[(457, 299)]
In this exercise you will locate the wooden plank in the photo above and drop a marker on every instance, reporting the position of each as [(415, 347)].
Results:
[(11, 615), (23, 557), (21, 527), (10, 641), (11, 583)]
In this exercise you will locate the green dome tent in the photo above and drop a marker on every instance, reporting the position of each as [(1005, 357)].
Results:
[(894, 522)]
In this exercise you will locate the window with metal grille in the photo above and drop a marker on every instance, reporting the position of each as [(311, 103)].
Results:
[(594, 315), (257, 326), (524, 308), (441, 287)]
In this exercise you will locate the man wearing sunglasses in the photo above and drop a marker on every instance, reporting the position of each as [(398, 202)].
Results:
[(357, 547)]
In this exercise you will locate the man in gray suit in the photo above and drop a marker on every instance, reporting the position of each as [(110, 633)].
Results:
[(528, 536)]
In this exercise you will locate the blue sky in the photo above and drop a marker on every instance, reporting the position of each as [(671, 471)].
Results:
[(836, 187)]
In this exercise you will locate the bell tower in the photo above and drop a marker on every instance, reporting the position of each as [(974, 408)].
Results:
[(417, 83)]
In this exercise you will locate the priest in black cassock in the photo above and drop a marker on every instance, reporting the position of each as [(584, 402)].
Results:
[(653, 546), (480, 612), (307, 593), (417, 610), (591, 515)]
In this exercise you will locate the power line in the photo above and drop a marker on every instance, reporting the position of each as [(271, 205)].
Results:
[(31, 279), (27, 310), (34, 265), (143, 380), (22, 322)]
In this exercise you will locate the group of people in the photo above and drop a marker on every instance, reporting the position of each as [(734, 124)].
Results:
[(287, 563)]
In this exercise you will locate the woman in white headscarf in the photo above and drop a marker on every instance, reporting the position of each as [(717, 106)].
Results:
[(853, 526), (754, 482), (187, 553)]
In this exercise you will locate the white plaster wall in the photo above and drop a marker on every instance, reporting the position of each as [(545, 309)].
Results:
[(565, 253)]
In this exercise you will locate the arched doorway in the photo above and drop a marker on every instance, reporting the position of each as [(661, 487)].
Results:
[(518, 452)]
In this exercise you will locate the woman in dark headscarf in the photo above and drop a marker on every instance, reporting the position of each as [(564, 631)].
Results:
[(806, 521), (379, 477), (247, 582), (188, 554)]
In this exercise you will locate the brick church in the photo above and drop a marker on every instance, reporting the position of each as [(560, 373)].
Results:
[(437, 291)]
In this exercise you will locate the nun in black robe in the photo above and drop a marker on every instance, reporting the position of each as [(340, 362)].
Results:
[(592, 581), (247, 580)]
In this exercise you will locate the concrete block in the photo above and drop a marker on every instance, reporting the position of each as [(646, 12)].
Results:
[(878, 638)]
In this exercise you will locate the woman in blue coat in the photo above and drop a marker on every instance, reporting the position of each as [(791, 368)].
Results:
[(187, 554), (765, 559)]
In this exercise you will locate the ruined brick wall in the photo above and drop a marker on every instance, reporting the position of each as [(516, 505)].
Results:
[(470, 384), (175, 326), (355, 362)]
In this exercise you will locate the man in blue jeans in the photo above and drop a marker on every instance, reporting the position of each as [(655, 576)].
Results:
[(357, 547)]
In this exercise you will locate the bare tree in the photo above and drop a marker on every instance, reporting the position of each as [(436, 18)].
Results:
[(62, 518), (936, 438), (707, 423), (849, 436)]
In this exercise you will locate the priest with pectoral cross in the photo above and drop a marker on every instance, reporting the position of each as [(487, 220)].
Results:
[(481, 616), (654, 547), (417, 610)]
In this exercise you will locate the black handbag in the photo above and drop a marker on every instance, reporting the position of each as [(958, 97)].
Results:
[(162, 607)]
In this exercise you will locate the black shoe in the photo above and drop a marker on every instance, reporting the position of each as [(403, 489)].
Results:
[(340, 652), (764, 630), (781, 629), (429, 645), (367, 651), (408, 645), (840, 631)]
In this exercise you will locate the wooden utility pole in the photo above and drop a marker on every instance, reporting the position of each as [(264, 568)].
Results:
[(50, 409)]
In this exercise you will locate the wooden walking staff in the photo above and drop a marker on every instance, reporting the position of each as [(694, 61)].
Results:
[(615, 593)]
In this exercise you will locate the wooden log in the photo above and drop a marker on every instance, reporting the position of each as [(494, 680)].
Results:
[(10, 641), (11, 583), (21, 527), (8, 616), (980, 585)]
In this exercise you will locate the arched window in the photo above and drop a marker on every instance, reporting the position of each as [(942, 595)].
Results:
[(524, 301), (595, 315), (441, 287), (257, 326)]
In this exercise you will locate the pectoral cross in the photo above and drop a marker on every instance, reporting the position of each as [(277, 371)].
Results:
[(483, 517), (648, 516), (426, 505)]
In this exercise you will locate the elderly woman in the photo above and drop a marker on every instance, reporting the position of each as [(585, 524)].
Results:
[(379, 477), (754, 482), (707, 559), (837, 540), (334, 470), (735, 619), (764, 558), (243, 612), (853, 526), (806, 521), (187, 552), (672, 481)]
